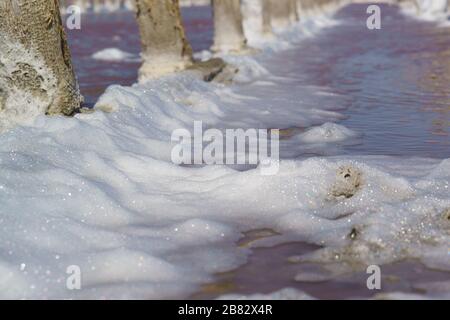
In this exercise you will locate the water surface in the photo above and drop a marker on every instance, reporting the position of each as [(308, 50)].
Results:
[(395, 80)]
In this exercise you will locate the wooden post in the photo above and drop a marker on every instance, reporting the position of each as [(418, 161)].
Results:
[(36, 73), (281, 15), (228, 27), (165, 48)]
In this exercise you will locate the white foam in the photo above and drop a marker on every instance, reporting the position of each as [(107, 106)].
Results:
[(115, 55), (326, 133), (428, 10)]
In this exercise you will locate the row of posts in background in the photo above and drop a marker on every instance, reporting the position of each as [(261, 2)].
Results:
[(117, 5)]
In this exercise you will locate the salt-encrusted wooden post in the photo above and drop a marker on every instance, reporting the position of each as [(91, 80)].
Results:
[(283, 13), (129, 4), (305, 7), (228, 28), (165, 48), (266, 17), (256, 19), (293, 11), (36, 73)]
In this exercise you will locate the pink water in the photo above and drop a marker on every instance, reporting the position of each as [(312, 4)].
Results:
[(395, 80)]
